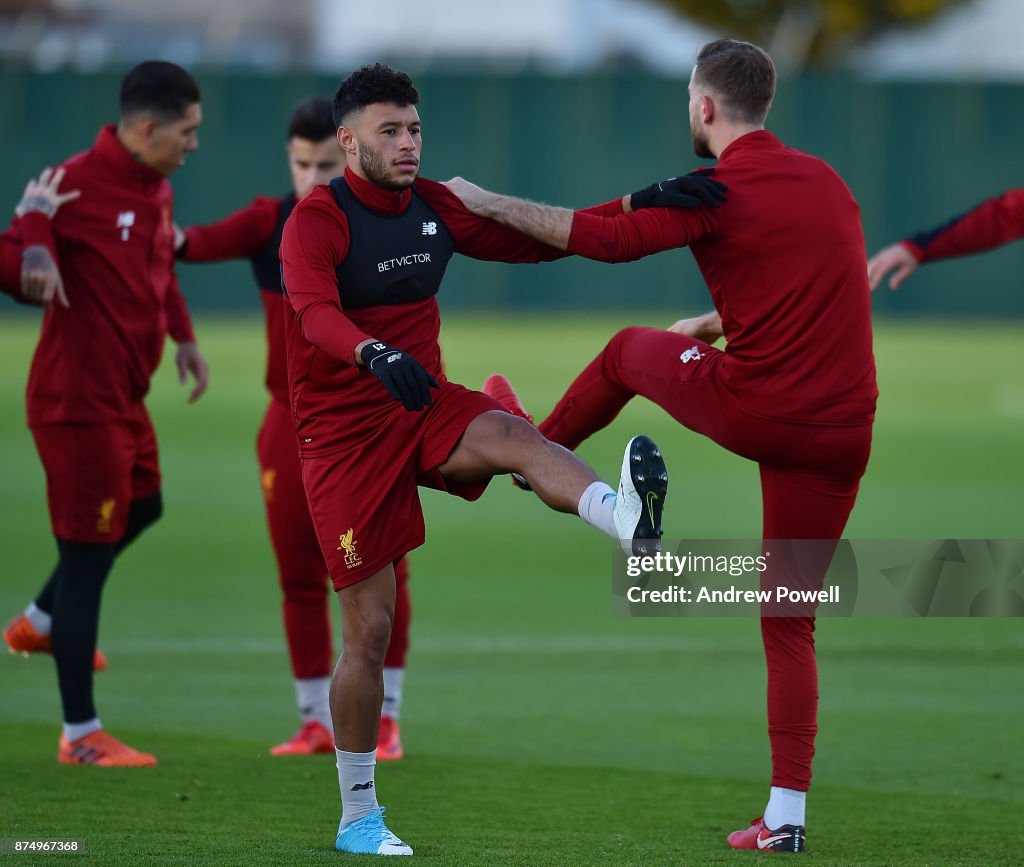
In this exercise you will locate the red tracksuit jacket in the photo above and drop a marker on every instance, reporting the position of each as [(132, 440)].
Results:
[(115, 248), (785, 263)]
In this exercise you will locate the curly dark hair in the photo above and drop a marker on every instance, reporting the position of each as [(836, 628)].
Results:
[(311, 120), (370, 84)]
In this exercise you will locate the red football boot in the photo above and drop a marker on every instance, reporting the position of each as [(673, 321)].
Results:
[(788, 838), (498, 387), (389, 741), (312, 738)]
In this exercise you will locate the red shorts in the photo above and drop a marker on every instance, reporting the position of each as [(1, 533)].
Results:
[(93, 472), (364, 500)]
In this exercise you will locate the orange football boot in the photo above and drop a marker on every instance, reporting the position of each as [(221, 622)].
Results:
[(311, 738), (102, 750), (21, 637)]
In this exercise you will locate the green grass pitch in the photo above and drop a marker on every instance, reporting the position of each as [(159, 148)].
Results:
[(538, 728)]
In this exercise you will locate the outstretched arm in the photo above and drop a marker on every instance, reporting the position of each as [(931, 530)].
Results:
[(991, 224), (548, 224), (898, 259), (240, 235), (671, 217)]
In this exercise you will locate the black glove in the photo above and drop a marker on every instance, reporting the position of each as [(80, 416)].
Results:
[(403, 376), (687, 191)]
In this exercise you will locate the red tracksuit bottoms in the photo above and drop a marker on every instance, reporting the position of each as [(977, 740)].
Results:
[(809, 479)]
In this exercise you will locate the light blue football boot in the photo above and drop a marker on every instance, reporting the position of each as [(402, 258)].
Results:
[(370, 836)]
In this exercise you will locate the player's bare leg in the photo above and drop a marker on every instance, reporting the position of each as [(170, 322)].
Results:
[(357, 690), (497, 442), (357, 687)]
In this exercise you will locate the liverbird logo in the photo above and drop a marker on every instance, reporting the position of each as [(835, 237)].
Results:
[(104, 516), (267, 479), (348, 545)]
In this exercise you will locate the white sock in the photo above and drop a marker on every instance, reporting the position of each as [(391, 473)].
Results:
[(355, 777), (785, 807), (597, 506), (40, 620), (74, 731), (393, 680), (313, 696)]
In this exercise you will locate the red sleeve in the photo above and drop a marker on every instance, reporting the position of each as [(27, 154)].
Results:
[(314, 243), (479, 237), (626, 237), (10, 267), (239, 236), (179, 323), (37, 228), (605, 209), (991, 224), (327, 328)]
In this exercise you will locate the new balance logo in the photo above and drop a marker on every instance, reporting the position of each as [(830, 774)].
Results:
[(125, 221), (693, 354), (362, 787), (429, 228)]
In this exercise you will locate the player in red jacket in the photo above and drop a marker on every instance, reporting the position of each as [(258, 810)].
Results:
[(991, 224), (254, 233), (91, 373), (362, 261), (794, 390)]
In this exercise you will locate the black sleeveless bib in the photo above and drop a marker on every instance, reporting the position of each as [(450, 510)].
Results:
[(266, 264), (392, 258)]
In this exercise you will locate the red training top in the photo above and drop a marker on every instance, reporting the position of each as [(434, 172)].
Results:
[(243, 235), (991, 224), (332, 398), (785, 263), (115, 248)]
